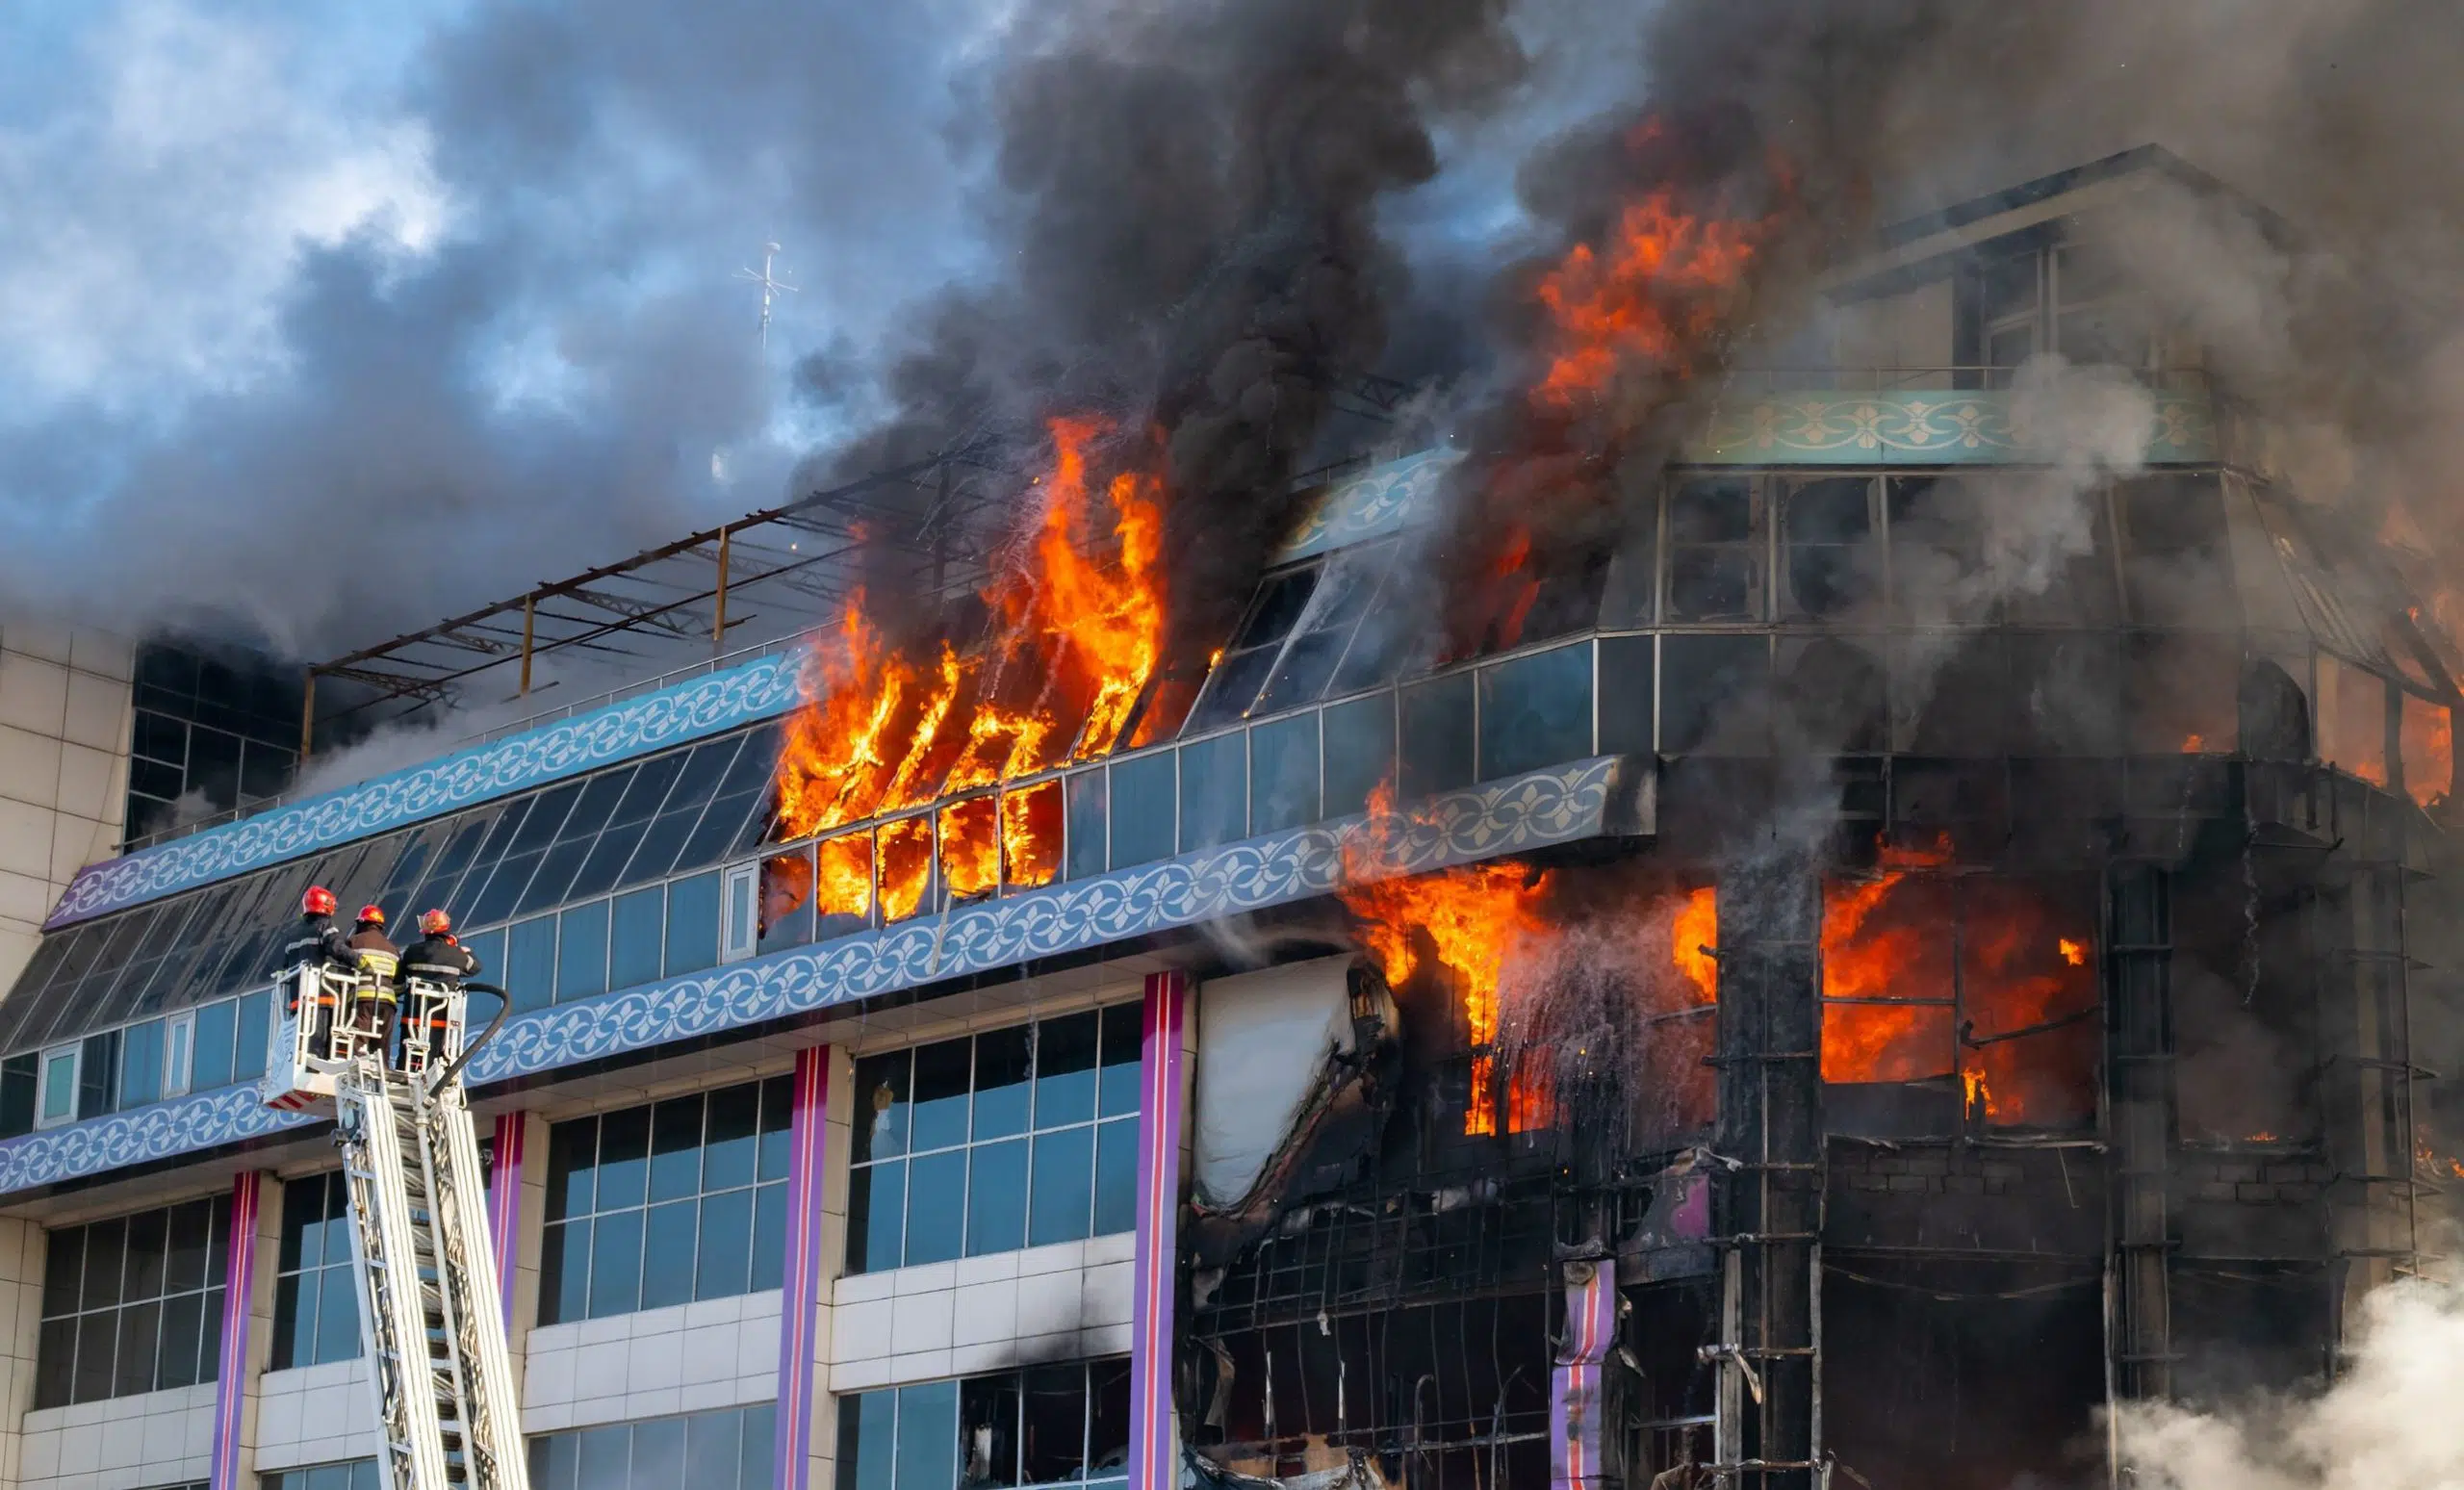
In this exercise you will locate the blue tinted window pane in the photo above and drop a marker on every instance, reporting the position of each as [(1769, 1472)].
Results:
[(880, 1109), (1064, 1186), (1125, 1033), (778, 1118), (1115, 1176), (256, 1015), (654, 849), (928, 1437), (769, 1235), (876, 1215), (530, 963), (140, 1068), (676, 1148), (692, 925), (727, 1152), (1142, 793), (639, 920), (761, 1446), (615, 1264), (599, 795), (667, 1254), (713, 1445), (942, 1075), (489, 948), (936, 1206), (1003, 1059), (605, 1451), (564, 1273), (552, 885), (1535, 711), (1084, 797), (336, 1316), (581, 951), (548, 812), (648, 789), (504, 889), (624, 1158), (866, 1445), (1215, 791), (1437, 736), (719, 828), (996, 1197), (658, 1454), (1360, 751), (607, 861), (724, 1266), (1283, 774), (1065, 1071), (210, 1066)]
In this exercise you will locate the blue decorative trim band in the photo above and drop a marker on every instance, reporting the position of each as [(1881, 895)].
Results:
[(1558, 804), (677, 715), (1917, 427), (1384, 499)]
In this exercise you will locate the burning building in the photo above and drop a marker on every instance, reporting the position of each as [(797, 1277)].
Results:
[(1910, 922)]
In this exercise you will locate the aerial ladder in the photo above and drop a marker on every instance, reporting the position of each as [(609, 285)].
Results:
[(430, 1316)]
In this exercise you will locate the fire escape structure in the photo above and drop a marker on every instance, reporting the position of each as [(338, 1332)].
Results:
[(431, 1318)]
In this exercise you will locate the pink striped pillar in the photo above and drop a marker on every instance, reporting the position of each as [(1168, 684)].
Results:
[(231, 1380), (1575, 1407), (1152, 1458), (800, 1285), (505, 1203)]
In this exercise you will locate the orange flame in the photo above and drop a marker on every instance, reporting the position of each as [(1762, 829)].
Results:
[(1655, 293), (2192, 744), (1933, 953), (907, 866), (1031, 836), (970, 848), (1075, 640), (846, 879), (1694, 938), (2426, 735)]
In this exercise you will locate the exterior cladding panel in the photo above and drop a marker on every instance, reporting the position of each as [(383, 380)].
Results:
[(1558, 804)]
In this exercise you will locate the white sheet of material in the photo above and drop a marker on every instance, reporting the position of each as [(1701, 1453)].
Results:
[(1263, 1043)]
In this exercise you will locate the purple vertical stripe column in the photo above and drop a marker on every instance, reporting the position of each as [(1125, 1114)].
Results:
[(231, 1368), (800, 1286), (1575, 1407), (505, 1203), (1151, 1465)]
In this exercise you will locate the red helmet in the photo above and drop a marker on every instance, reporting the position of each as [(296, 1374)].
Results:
[(436, 923), (319, 901), (372, 916)]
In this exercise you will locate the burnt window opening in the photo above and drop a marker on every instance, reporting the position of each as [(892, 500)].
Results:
[(2426, 737), (2177, 559), (2066, 694), (2183, 692), (1714, 695), (1715, 551), (1839, 693), (2273, 713), (2244, 1011), (1957, 1001), (2354, 706), (1829, 562)]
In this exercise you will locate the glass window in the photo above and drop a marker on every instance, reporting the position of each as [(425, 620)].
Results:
[(316, 1292), (1628, 696), (581, 951), (1014, 1137), (350, 1475), (692, 925), (1710, 687), (1437, 736), (1233, 684), (1143, 800), (1714, 551), (2429, 740), (530, 963), (133, 1304), (1283, 774), (2353, 719), (638, 921), (1360, 751), (1309, 660), (1825, 528), (60, 1085), (1535, 711), (1063, 1424), (217, 1044), (665, 1204), (19, 1077), (1215, 791), (729, 1449), (1085, 794), (256, 1036), (140, 1064)]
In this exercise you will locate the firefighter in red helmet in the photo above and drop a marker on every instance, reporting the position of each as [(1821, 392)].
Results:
[(435, 958), (321, 944), (379, 964)]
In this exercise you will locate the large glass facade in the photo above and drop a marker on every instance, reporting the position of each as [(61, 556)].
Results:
[(1014, 1137), (730, 1449), (1066, 1424), (316, 1294), (132, 1304), (665, 1204), (350, 1475)]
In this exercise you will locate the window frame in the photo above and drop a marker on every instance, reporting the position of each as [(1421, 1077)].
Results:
[(50, 1080)]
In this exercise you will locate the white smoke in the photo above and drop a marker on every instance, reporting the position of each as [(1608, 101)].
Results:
[(2390, 1423)]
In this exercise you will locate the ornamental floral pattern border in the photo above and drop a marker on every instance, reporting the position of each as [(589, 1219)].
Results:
[(1918, 428)]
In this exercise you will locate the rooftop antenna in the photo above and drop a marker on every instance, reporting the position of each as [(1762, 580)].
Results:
[(771, 287)]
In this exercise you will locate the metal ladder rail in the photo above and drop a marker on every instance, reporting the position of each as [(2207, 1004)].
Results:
[(438, 1306), (491, 1414), (394, 1330)]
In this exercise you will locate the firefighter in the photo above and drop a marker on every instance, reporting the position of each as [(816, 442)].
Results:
[(322, 947), (378, 962), (435, 958)]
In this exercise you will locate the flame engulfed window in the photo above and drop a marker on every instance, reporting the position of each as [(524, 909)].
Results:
[(2429, 740), (1927, 975)]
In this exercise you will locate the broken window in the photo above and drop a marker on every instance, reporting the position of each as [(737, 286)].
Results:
[(1837, 692), (1714, 691), (1826, 530), (1325, 628), (2427, 736), (2244, 1012), (2353, 719), (1715, 551), (2183, 691), (1062, 1423), (1232, 686)]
